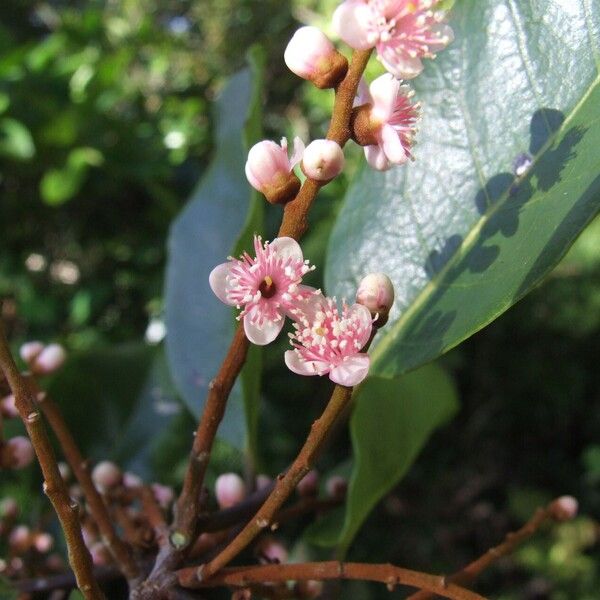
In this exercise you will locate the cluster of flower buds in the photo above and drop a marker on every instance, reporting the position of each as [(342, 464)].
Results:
[(384, 119), (42, 359), (327, 338)]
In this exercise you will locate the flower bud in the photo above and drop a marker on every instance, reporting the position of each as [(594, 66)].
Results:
[(8, 408), (565, 508), (164, 494), (43, 542), (376, 292), (311, 55), (9, 509), (271, 551), (20, 539), (229, 489), (270, 171), (132, 481), (309, 589), (106, 475), (309, 484), (99, 553), (65, 471), (29, 351), (50, 360), (19, 452), (336, 487), (323, 160)]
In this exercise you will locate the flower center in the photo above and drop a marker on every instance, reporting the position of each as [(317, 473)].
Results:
[(267, 288)]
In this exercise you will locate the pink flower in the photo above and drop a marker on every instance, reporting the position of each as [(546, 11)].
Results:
[(270, 171), (402, 31), (389, 122), (267, 287), (328, 340)]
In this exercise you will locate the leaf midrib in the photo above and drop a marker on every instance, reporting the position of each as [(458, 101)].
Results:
[(469, 242)]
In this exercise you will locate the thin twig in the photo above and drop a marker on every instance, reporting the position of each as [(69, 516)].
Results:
[(54, 486), (119, 550), (553, 512), (286, 482), (389, 575)]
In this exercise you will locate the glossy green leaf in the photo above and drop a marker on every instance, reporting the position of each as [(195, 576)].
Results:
[(221, 215), (15, 140), (59, 185), (391, 421), (461, 236)]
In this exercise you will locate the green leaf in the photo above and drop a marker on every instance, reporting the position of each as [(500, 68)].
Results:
[(15, 140), (391, 421), (221, 215), (461, 237), (59, 185)]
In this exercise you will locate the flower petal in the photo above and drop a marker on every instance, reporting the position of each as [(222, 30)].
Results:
[(262, 334), (364, 315), (352, 20), (352, 371), (219, 284), (363, 95), (302, 367), (391, 144), (402, 67), (287, 247), (297, 153), (376, 158), (384, 91)]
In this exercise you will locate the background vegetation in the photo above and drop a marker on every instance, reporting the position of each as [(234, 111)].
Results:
[(106, 126)]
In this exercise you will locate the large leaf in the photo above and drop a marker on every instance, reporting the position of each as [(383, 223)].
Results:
[(461, 237), (221, 211)]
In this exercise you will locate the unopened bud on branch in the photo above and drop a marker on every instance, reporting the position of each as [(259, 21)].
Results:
[(376, 292), (565, 508), (323, 160), (106, 475), (270, 550), (30, 351), (229, 489), (18, 453), (50, 360), (309, 484), (336, 487), (311, 55)]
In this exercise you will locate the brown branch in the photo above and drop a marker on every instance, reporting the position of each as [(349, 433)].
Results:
[(54, 486), (286, 482), (555, 511), (118, 549), (320, 571), (294, 225)]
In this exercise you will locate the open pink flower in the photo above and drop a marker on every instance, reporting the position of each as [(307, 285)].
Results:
[(392, 121), (330, 340), (402, 31), (266, 287)]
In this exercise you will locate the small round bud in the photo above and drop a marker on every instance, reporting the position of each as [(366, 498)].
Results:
[(9, 509), (19, 452), (30, 351), (50, 360), (376, 292), (106, 475), (132, 481), (20, 539), (230, 490), (65, 471), (164, 494), (311, 55), (8, 408), (263, 482), (323, 160), (565, 508), (99, 553), (309, 589), (309, 484), (269, 170), (336, 487), (43, 542), (271, 551)]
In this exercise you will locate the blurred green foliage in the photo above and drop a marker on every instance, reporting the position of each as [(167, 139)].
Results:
[(104, 131)]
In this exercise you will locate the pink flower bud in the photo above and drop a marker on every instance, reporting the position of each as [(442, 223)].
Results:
[(106, 475), (323, 160), (51, 359), (20, 452), (309, 484), (309, 589), (132, 481), (65, 471), (8, 408), (263, 482), (9, 509), (565, 508), (43, 542), (270, 550), (20, 539), (310, 55), (270, 171), (336, 487), (164, 494), (30, 351), (230, 490), (100, 554), (376, 292)]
